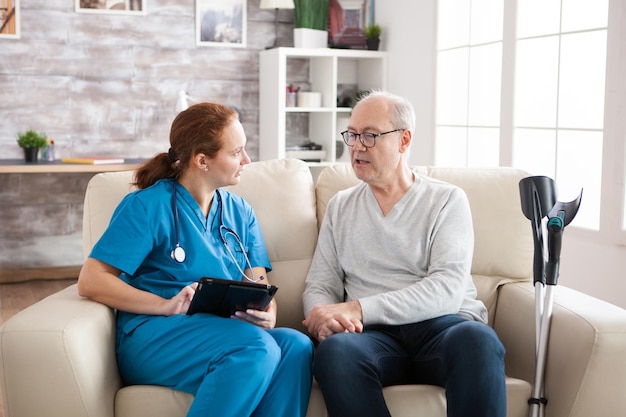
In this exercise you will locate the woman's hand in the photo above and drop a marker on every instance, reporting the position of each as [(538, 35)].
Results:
[(100, 282), (264, 319), (179, 304)]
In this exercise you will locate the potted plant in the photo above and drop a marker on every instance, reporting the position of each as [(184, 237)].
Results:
[(31, 142), (372, 36), (310, 23)]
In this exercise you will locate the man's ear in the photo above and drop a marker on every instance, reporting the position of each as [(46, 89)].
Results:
[(405, 141)]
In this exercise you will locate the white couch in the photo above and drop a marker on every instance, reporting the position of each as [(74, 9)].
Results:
[(57, 357)]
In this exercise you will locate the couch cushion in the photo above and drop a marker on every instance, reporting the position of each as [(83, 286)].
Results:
[(503, 244), (285, 208), (104, 193), (402, 401)]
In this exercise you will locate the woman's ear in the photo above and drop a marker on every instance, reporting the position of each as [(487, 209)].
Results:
[(200, 161)]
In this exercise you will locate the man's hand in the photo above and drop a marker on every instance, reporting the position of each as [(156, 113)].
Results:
[(326, 320)]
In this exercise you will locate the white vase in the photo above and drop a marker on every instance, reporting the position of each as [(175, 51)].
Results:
[(310, 38)]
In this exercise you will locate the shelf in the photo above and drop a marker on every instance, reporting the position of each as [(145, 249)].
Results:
[(18, 166), (337, 74), (309, 109)]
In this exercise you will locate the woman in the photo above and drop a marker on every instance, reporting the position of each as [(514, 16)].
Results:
[(161, 240)]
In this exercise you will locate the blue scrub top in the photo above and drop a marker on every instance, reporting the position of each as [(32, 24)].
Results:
[(142, 235)]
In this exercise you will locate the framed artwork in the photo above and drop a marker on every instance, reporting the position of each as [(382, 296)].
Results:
[(347, 21), (10, 19), (111, 6), (221, 23)]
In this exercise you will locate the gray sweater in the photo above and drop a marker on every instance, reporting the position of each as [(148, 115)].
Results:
[(409, 266)]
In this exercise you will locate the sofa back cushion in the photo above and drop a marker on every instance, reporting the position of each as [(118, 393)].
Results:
[(283, 197), (503, 247)]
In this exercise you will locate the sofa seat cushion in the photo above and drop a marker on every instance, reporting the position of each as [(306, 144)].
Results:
[(403, 401)]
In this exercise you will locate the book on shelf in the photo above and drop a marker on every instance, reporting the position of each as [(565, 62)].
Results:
[(92, 160)]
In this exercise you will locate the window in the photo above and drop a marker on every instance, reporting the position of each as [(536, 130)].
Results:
[(557, 84), (469, 69)]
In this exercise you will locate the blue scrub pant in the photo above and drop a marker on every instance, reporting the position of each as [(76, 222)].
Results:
[(233, 368), (463, 356)]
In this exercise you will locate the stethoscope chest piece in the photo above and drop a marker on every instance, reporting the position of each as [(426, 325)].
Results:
[(178, 254)]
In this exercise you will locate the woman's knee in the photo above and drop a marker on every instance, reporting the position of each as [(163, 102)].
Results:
[(296, 348)]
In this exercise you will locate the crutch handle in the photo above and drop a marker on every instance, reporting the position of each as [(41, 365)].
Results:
[(555, 234)]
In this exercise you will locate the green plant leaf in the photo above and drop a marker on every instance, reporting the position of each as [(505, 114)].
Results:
[(311, 14), (31, 139)]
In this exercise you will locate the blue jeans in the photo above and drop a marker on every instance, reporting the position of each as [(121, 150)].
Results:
[(463, 356)]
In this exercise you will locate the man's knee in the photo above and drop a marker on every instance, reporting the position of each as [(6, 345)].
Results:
[(337, 355), (476, 340)]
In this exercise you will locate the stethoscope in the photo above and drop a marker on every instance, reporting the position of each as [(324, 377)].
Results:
[(178, 253)]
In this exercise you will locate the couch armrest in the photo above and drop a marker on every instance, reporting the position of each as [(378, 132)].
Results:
[(585, 368), (57, 359)]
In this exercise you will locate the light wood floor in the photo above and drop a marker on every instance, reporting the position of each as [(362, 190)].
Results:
[(17, 296)]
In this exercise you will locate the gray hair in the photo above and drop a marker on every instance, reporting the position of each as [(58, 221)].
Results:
[(402, 112)]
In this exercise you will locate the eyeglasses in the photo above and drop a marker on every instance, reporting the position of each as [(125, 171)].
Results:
[(367, 139)]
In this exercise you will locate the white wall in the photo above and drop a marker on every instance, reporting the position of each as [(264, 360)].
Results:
[(409, 38), (592, 262)]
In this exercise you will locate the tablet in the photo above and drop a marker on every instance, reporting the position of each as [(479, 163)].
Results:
[(223, 296)]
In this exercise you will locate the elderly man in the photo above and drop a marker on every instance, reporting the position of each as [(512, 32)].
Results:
[(389, 295)]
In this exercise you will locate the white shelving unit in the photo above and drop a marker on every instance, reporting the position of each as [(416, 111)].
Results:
[(327, 70)]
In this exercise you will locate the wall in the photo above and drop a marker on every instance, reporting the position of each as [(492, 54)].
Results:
[(107, 84), (410, 40)]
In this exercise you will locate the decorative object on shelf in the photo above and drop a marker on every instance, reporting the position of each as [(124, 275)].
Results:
[(118, 6), (92, 160), (10, 19), (358, 96), (276, 4), (346, 23), (47, 152), (372, 36), (221, 23), (291, 96), (308, 152), (310, 23), (31, 142), (309, 99), (340, 147)]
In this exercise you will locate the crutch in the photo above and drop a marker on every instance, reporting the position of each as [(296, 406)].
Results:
[(538, 199)]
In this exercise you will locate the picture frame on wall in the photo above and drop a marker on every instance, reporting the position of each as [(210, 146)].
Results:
[(111, 6), (221, 23), (10, 19), (347, 22)]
